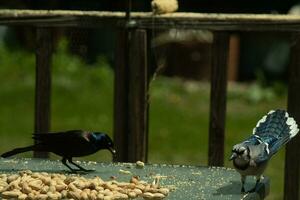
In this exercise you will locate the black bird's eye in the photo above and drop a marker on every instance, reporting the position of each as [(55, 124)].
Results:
[(241, 150), (235, 151)]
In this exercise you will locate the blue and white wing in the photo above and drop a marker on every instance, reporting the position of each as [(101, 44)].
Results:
[(259, 150), (275, 129)]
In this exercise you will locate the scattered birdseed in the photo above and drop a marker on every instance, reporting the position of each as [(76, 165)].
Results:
[(41, 185), (124, 171), (140, 164)]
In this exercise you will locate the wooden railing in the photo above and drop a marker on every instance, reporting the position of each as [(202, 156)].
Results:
[(132, 77)]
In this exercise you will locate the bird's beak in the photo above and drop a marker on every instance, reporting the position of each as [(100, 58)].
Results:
[(233, 156), (112, 150)]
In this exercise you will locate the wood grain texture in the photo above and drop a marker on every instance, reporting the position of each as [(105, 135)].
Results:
[(43, 83), (292, 155), (220, 49), (120, 97), (146, 20), (131, 97), (138, 96), (234, 57)]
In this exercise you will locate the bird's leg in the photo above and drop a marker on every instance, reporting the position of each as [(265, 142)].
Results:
[(64, 161), (79, 167), (243, 179), (256, 184)]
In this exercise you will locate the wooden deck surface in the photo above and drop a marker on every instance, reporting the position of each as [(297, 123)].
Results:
[(188, 182)]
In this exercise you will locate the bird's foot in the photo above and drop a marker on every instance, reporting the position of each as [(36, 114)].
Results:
[(88, 170), (80, 171), (256, 185), (243, 190), (252, 190), (249, 191)]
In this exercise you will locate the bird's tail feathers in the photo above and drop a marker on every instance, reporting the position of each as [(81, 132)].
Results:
[(273, 120), (17, 151), (293, 125)]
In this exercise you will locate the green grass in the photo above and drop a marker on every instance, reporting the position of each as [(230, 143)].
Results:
[(82, 98)]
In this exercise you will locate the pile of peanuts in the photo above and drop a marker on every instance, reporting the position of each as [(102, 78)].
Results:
[(29, 185)]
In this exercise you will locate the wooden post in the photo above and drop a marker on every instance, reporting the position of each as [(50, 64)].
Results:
[(43, 83), (138, 97), (292, 155), (120, 97), (234, 57), (220, 49), (131, 97)]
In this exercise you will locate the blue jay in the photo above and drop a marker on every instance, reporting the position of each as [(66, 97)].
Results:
[(250, 157)]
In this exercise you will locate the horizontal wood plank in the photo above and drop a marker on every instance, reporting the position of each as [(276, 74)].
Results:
[(210, 21)]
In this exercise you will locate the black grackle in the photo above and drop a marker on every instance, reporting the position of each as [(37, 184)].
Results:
[(69, 144)]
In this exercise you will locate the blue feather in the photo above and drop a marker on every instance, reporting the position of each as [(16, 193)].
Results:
[(273, 130), (255, 140)]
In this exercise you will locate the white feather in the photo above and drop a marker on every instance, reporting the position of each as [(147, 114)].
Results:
[(258, 138), (294, 132), (293, 126), (286, 114), (262, 120), (267, 148), (290, 121), (270, 112)]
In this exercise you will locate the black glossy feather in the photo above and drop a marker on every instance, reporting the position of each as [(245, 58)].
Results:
[(68, 144)]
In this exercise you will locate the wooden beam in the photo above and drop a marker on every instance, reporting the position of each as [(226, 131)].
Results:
[(220, 49), (292, 155), (43, 83), (131, 97), (146, 20)]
